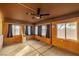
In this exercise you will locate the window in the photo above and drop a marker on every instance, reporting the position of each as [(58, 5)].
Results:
[(67, 30), (36, 30), (61, 30), (44, 30), (32, 30), (16, 29), (71, 30), (29, 30)]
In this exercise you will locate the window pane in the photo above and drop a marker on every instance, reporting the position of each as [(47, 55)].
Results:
[(61, 30), (44, 30), (29, 30), (71, 30), (36, 30), (16, 29)]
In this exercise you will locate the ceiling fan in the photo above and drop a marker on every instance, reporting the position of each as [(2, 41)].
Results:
[(38, 14)]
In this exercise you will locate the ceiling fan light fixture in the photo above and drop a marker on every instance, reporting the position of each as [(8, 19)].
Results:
[(37, 17)]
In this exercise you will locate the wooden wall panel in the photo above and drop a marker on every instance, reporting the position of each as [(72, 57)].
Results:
[(13, 40), (5, 29), (70, 45), (43, 39), (1, 19), (30, 37)]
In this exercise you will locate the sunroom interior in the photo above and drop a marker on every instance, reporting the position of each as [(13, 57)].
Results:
[(39, 29)]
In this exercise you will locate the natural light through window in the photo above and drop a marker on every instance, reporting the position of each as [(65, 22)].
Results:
[(61, 30), (16, 29), (67, 30), (29, 30), (44, 30), (71, 30), (36, 30)]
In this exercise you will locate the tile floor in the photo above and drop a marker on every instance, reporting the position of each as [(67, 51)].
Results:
[(33, 48)]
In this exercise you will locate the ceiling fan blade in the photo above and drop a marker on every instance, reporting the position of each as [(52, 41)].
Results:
[(44, 14), (33, 14), (38, 11)]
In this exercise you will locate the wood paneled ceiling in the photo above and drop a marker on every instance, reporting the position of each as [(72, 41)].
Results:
[(18, 11)]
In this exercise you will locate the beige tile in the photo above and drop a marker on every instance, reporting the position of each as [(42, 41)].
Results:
[(33, 48), (12, 50), (43, 49), (57, 52), (37, 44), (25, 50), (31, 41), (17, 50), (34, 53)]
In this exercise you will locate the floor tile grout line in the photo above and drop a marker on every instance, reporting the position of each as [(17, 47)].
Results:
[(42, 52), (31, 51), (46, 50), (31, 47), (38, 48), (11, 51), (35, 49)]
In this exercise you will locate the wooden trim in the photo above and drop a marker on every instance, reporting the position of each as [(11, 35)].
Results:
[(10, 20), (26, 7)]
